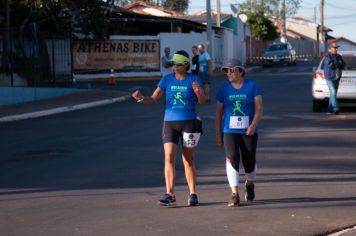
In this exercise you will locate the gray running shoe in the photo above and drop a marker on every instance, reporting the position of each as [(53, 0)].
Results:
[(235, 200), (193, 200), (249, 192), (167, 200)]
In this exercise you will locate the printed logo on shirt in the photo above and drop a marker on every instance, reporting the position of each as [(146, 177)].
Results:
[(237, 108), (178, 99), (237, 101), (177, 95)]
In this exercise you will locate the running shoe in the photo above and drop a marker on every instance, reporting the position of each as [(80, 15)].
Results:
[(234, 201), (193, 200), (249, 192), (167, 200)]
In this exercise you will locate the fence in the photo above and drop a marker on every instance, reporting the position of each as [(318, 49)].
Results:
[(34, 59), (255, 49)]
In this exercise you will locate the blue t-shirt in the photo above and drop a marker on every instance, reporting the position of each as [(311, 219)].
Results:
[(180, 97), (238, 104)]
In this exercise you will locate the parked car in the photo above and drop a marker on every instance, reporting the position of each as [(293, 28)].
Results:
[(346, 93), (279, 53)]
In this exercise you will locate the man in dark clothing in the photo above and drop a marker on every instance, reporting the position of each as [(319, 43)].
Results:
[(333, 65), (195, 61)]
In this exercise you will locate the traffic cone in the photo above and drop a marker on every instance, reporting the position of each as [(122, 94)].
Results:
[(112, 77)]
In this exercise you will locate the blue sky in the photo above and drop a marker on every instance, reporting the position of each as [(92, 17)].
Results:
[(339, 15)]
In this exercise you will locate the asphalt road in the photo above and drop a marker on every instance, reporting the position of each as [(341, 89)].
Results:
[(100, 171)]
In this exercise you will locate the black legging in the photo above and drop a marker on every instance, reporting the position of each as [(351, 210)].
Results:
[(236, 144)]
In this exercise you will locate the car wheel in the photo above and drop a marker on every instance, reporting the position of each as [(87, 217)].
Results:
[(318, 105)]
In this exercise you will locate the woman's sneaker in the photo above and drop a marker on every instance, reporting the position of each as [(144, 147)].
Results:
[(249, 192), (193, 200), (234, 201), (167, 200)]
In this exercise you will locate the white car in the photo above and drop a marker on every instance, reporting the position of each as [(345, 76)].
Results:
[(346, 93)]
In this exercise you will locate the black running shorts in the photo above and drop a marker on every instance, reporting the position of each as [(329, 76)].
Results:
[(173, 130)]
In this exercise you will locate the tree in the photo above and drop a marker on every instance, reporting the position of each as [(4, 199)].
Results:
[(270, 7), (259, 12), (261, 26), (84, 16), (178, 6)]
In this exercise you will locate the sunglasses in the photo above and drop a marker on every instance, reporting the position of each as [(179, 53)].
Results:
[(178, 65), (231, 70)]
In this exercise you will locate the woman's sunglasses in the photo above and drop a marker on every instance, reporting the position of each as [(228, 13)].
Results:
[(231, 70), (178, 65)]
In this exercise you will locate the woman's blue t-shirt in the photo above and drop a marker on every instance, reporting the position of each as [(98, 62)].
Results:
[(180, 97), (238, 103)]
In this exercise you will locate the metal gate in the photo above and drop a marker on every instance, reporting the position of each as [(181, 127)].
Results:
[(34, 59)]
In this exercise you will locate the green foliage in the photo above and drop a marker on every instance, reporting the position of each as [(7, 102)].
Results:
[(88, 17), (261, 26), (84, 16), (270, 7), (178, 6), (258, 12)]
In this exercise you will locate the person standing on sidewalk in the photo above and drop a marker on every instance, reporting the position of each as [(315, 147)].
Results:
[(195, 61), (182, 90), (238, 112), (333, 66), (205, 69), (166, 61)]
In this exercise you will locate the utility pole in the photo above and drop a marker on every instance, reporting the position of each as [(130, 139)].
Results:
[(314, 16), (7, 12), (6, 43), (283, 15), (218, 15), (322, 25), (208, 27)]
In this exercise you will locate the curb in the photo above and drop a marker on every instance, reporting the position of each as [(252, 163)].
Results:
[(58, 110), (345, 232)]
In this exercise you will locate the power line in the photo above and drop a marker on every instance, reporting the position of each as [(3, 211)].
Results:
[(342, 23), (338, 7), (340, 16)]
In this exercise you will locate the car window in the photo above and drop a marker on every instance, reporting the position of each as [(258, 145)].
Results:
[(276, 47), (350, 61)]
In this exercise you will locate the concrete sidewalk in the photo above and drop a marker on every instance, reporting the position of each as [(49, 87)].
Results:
[(80, 100)]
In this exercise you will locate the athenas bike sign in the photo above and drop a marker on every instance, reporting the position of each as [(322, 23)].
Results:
[(120, 55)]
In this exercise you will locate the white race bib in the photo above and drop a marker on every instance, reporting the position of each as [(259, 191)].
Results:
[(193, 67), (190, 140), (239, 122)]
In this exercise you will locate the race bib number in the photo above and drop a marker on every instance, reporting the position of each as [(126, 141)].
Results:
[(194, 67), (201, 68), (190, 140), (239, 122)]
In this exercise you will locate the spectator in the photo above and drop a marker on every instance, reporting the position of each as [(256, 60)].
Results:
[(166, 61)]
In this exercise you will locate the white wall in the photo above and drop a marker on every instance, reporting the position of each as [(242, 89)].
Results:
[(181, 41), (62, 57), (228, 47), (346, 46)]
